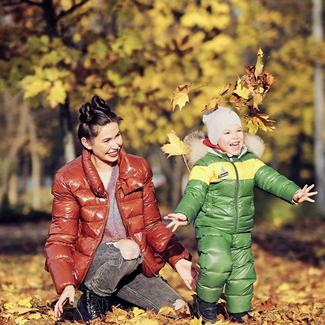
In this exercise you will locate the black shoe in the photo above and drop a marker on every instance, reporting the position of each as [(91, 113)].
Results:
[(240, 317), (206, 310), (91, 306)]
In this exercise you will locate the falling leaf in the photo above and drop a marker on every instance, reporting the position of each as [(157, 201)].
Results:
[(176, 146), (241, 90), (211, 106), (251, 126), (257, 100), (259, 63), (214, 103), (181, 96)]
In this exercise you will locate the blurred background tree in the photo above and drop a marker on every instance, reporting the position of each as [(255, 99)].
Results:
[(56, 54)]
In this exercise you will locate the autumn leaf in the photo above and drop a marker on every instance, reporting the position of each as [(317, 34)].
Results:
[(251, 126), (196, 321), (137, 311), (176, 146), (259, 66), (167, 311), (241, 90), (214, 103), (257, 100), (181, 96)]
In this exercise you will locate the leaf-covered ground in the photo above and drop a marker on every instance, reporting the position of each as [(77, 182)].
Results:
[(290, 289)]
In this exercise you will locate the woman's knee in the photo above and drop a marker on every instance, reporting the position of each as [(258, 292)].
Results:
[(129, 249), (181, 305)]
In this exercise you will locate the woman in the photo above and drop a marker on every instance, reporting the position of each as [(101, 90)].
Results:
[(106, 235)]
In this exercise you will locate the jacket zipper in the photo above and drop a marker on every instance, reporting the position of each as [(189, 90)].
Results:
[(236, 198)]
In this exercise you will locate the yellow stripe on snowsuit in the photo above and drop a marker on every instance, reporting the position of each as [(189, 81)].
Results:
[(221, 170)]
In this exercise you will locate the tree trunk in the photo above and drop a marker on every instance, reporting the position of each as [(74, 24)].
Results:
[(67, 132), (173, 169), (15, 144), (13, 190), (36, 164), (319, 152)]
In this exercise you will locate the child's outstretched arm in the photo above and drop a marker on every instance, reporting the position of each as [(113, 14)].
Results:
[(270, 180), (193, 198)]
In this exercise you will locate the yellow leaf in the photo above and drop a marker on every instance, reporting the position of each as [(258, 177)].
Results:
[(181, 96), (137, 311), (196, 321), (33, 85), (240, 90), (284, 287), (57, 94), (257, 100), (66, 4), (20, 320), (176, 147), (35, 316), (167, 310), (24, 302), (212, 105), (251, 126), (259, 63)]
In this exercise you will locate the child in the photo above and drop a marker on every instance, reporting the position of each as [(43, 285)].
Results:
[(219, 197)]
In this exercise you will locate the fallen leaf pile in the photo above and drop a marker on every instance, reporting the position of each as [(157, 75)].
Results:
[(290, 287)]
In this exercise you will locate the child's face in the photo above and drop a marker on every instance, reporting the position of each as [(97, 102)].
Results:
[(232, 139)]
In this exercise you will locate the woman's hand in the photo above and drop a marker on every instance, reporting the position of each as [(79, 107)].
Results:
[(177, 219), (67, 294), (304, 194), (188, 271)]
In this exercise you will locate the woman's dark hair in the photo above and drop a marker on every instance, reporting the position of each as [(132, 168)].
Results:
[(94, 114)]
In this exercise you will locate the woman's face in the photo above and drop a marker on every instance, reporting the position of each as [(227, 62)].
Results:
[(232, 139), (107, 144)]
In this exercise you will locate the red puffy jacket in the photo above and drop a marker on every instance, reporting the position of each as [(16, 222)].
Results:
[(80, 212)]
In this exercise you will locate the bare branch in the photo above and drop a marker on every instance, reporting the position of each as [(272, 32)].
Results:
[(71, 10)]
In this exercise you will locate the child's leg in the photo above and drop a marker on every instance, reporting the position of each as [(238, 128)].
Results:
[(216, 263), (239, 287)]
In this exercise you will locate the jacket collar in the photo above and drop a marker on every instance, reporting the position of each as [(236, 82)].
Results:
[(226, 155), (127, 179)]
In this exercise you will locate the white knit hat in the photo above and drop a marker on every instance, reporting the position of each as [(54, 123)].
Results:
[(218, 120)]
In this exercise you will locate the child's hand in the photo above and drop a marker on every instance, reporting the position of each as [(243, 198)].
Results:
[(304, 194), (177, 219)]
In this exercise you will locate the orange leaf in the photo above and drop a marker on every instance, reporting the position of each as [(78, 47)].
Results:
[(181, 96)]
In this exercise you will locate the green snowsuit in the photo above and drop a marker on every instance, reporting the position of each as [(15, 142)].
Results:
[(219, 197)]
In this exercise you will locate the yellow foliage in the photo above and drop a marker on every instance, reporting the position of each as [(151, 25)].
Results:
[(175, 147), (33, 85), (57, 94)]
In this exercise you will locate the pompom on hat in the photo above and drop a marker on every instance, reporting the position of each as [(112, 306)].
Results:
[(218, 120)]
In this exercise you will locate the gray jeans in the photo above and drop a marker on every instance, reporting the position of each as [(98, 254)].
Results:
[(111, 274)]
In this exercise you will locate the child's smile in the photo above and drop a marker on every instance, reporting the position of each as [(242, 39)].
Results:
[(232, 139)]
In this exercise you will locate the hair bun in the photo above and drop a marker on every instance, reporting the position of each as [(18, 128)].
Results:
[(99, 103), (85, 113)]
